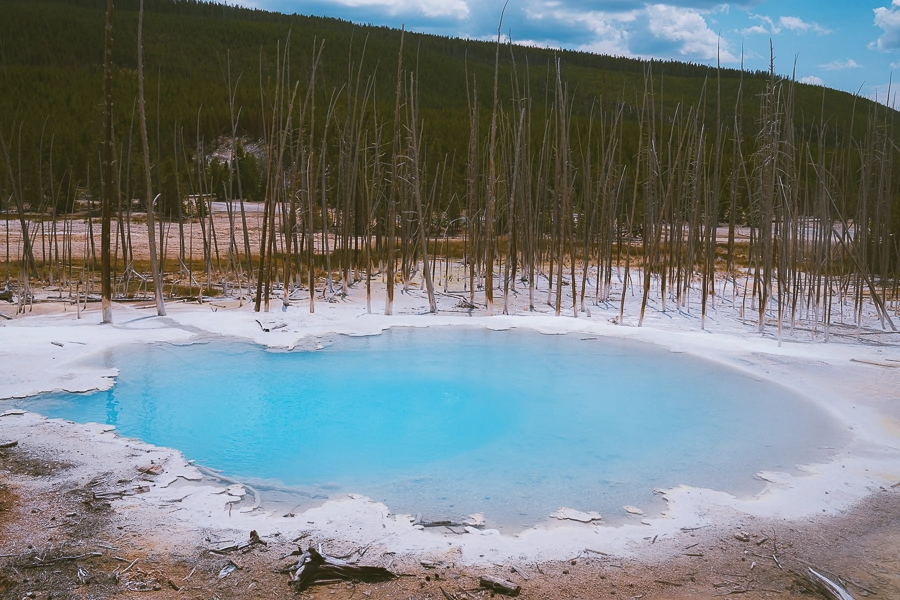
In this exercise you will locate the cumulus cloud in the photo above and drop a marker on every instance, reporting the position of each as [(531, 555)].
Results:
[(766, 27), (798, 25), (657, 30), (888, 19), (812, 80), (687, 29), (884, 93), (458, 9), (755, 30), (840, 65), (601, 32), (608, 36), (769, 26)]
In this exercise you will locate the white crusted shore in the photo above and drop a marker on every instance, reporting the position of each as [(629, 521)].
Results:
[(857, 382)]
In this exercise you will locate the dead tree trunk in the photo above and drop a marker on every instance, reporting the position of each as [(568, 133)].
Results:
[(105, 278), (151, 232)]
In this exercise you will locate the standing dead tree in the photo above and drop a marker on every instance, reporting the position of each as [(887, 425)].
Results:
[(105, 273), (145, 147)]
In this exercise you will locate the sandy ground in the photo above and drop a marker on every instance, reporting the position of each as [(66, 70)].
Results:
[(80, 504), (71, 237)]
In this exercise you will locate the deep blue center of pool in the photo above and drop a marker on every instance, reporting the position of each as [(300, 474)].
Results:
[(451, 421)]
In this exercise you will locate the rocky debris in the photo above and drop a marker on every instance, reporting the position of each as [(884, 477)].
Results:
[(313, 566), (254, 540), (151, 469), (570, 514), (498, 584)]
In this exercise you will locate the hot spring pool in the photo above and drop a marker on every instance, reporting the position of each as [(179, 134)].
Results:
[(451, 421)]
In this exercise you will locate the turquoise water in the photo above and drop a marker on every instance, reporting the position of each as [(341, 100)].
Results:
[(450, 421)]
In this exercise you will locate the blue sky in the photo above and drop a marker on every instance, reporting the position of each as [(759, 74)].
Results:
[(852, 45)]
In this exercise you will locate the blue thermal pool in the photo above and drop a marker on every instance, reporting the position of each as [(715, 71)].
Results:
[(451, 421)]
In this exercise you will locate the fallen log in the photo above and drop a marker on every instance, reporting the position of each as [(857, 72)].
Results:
[(51, 562), (439, 524), (314, 567), (448, 595), (827, 587), (243, 546), (498, 584)]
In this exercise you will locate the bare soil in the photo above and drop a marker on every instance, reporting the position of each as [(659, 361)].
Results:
[(61, 541), (58, 540)]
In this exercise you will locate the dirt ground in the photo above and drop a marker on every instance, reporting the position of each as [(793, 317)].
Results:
[(62, 539)]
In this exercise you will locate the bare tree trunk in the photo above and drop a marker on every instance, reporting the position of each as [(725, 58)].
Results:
[(105, 278), (28, 258), (151, 232), (392, 199), (489, 217), (418, 173)]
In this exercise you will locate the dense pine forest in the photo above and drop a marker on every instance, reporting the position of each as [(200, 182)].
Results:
[(372, 150)]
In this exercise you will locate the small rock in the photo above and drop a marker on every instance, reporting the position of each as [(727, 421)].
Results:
[(229, 568), (742, 536), (571, 514), (151, 469), (236, 490), (475, 520), (633, 510), (498, 584)]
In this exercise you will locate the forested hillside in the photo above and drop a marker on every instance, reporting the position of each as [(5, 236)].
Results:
[(367, 145), (52, 57)]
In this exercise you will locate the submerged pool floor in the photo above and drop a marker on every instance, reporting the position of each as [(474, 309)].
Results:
[(451, 421)]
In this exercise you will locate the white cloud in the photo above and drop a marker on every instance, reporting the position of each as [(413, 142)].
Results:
[(798, 25), (609, 37), (812, 80), (790, 23), (657, 30), (458, 9), (888, 19), (687, 27), (885, 93), (608, 31), (840, 65), (763, 29), (754, 30)]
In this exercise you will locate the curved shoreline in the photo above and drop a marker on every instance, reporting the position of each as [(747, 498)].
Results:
[(825, 373)]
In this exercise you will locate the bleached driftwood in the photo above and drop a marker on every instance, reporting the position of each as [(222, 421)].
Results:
[(314, 566), (243, 546), (498, 584), (827, 587), (570, 514)]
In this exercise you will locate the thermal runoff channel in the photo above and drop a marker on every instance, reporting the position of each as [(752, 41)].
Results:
[(447, 422)]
